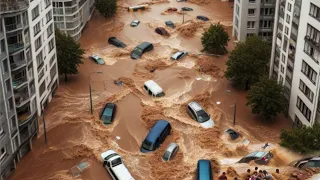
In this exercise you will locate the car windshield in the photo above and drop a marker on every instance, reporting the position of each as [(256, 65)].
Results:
[(259, 154), (166, 156), (147, 145), (107, 112), (137, 51), (202, 116), (116, 162)]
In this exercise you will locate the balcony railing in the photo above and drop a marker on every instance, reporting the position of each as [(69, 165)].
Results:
[(17, 82), (312, 42), (291, 56), (2, 55), (293, 36), (21, 98), (15, 47), (12, 6), (12, 27), (17, 64), (25, 117), (280, 25)]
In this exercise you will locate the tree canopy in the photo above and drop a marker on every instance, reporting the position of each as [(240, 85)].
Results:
[(303, 140), (248, 62), (266, 98), (69, 54), (215, 39), (106, 8)]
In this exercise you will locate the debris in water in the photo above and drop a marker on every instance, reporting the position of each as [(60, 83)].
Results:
[(198, 78), (218, 102), (246, 142), (118, 137)]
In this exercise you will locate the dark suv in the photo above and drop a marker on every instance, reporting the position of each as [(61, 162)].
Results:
[(116, 42), (140, 49)]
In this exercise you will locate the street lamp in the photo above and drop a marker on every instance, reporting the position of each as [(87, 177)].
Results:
[(44, 125), (183, 16), (90, 88), (234, 106)]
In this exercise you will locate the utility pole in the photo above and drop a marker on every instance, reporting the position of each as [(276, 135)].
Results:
[(182, 16), (234, 107), (44, 126), (91, 108)]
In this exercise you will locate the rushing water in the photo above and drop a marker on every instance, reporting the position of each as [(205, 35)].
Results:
[(75, 135)]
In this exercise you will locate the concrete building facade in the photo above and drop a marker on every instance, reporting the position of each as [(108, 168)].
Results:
[(71, 16), (253, 17), (28, 75), (295, 58)]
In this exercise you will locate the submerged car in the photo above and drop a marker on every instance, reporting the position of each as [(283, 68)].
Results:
[(114, 165), (135, 23), (162, 31), (116, 42), (307, 162), (197, 113), (181, 0), (170, 24), (203, 18), (170, 9), (108, 112), (178, 55), (186, 9), (140, 49), (170, 152), (232, 133), (97, 59), (259, 157)]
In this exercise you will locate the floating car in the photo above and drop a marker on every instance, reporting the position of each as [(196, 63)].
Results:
[(197, 113), (170, 9), (203, 18), (259, 157), (153, 89), (140, 49), (97, 59), (108, 112), (170, 24), (162, 31), (178, 55), (186, 9), (181, 0), (156, 136), (116, 42), (170, 152), (135, 23), (204, 170), (232, 133), (307, 162), (114, 165)]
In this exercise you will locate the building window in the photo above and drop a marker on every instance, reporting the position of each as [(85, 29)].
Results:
[(285, 44), (1, 129), (282, 69), (57, 4), (252, 1), (306, 91), (312, 52), (10, 104), (49, 16), (39, 59), (288, 18), (250, 34), (5, 66), (283, 58), (266, 23), (266, 11), (47, 3), (51, 45), (289, 7), (36, 29), (52, 59), (250, 24), (313, 34), (315, 11), (237, 9), (38, 43), (286, 30), (49, 30), (42, 88), (3, 153), (35, 12), (251, 12), (309, 72), (303, 109), (281, 80), (58, 18)]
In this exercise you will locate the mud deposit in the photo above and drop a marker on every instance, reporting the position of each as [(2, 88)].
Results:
[(74, 135)]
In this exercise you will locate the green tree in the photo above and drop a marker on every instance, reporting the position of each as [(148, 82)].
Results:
[(266, 98), (215, 39), (248, 62), (106, 8), (69, 54), (303, 140)]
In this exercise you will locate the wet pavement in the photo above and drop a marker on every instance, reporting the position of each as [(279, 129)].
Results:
[(75, 135)]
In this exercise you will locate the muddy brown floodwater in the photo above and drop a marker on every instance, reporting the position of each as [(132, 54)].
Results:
[(74, 135)]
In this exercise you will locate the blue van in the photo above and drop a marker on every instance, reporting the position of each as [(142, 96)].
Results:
[(204, 171), (156, 136)]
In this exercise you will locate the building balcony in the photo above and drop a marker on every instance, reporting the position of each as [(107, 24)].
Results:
[(312, 42), (71, 18), (14, 27), (21, 97), (280, 26), (293, 36), (279, 35), (25, 114), (19, 82), (17, 64), (71, 10), (2, 55), (13, 6), (283, 3), (15, 47)]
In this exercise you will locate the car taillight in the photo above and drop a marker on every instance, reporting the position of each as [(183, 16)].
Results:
[(264, 159)]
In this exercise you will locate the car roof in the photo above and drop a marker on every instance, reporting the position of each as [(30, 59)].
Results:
[(108, 153), (154, 87), (144, 45), (204, 168), (169, 22), (171, 147), (95, 56), (156, 130), (258, 154), (177, 54), (136, 20), (195, 106)]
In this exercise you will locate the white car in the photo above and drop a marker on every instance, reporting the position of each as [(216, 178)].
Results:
[(97, 59), (178, 55), (113, 163), (197, 113), (135, 23)]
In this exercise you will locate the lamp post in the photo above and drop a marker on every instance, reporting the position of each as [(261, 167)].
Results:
[(44, 126), (234, 107), (183, 16), (90, 89)]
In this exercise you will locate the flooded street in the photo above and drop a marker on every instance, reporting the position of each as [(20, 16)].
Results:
[(74, 135)]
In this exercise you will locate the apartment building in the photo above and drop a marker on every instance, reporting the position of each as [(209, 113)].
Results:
[(253, 17), (71, 16), (295, 58), (28, 75)]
